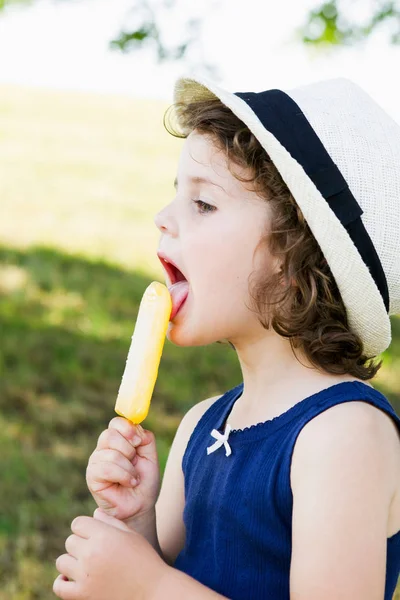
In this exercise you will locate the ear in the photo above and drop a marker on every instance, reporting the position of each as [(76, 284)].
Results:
[(277, 265), (278, 269)]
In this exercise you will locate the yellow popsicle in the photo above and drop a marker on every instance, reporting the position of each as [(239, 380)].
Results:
[(141, 368)]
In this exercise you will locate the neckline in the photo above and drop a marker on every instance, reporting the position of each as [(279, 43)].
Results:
[(257, 430)]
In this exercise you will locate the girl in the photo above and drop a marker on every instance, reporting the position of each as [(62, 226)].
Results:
[(283, 238)]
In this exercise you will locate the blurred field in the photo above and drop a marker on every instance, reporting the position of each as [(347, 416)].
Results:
[(81, 177)]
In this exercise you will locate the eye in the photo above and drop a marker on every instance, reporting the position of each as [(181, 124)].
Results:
[(203, 206)]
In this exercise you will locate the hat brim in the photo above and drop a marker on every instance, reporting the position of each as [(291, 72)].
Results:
[(366, 312)]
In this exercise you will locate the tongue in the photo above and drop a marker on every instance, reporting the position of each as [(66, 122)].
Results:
[(179, 292)]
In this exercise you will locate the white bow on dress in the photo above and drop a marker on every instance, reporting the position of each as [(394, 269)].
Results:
[(222, 439)]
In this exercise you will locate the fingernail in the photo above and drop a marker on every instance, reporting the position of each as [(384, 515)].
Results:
[(134, 481), (136, 441)]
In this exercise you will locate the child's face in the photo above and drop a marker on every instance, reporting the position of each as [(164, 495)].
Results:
[(214, 249)]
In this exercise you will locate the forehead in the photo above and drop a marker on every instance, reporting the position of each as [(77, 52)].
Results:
[(201, 157)]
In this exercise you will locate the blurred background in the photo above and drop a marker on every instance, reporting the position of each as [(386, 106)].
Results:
[(85, 164)]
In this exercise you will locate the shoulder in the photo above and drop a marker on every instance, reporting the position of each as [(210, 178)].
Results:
[(357, 421), (189, 422), (355, 416), (344, 476), (194, 414), (353, 436)]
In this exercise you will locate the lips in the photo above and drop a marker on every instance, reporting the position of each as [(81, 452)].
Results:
[(174, 273), (177, 284)]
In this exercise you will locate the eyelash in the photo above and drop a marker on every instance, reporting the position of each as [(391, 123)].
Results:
[(201, 203)]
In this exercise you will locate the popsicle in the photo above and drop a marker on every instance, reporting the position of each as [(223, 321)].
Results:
[(141, 368)]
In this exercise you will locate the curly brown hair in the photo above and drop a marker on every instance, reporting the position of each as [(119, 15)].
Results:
[(302, 302)]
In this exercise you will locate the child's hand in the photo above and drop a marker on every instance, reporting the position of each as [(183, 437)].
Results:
[(107, 560), (124, 451)]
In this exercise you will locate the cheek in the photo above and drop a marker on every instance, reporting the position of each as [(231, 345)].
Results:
[(220, 283), (222, 256), (219, 261)]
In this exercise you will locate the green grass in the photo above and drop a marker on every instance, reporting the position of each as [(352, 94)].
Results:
[(81, 177), (66, 331)]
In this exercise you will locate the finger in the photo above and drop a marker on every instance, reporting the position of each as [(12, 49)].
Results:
[(129, 430), (105, 473), (113, 458), (87, 527), (67, 590), (147, 448), (112, 438), (102, 516), (68, 565), (83, 526), (74, 545)]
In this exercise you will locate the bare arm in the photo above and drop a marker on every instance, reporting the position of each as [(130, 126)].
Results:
[(342, 488), (179, 586), (163, 527), (171, 500)]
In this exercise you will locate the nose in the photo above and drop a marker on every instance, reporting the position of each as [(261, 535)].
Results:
[(165, 222)]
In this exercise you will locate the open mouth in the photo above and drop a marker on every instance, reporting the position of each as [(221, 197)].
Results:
[(174, 275), (177, 284)]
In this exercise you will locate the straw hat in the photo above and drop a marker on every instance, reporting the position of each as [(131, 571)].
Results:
[(339, 154)]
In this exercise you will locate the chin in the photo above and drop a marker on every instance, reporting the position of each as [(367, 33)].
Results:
[(182, 335), (179, 337)]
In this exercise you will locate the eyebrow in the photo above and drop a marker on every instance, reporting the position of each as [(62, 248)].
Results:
[(200, 180)]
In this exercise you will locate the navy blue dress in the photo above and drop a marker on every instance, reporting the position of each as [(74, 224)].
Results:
[(238, 499)]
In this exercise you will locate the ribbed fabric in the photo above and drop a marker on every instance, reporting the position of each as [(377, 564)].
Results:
[(238, 508)]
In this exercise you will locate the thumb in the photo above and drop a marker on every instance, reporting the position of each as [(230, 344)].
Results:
[(102, 516), (147, 447)]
